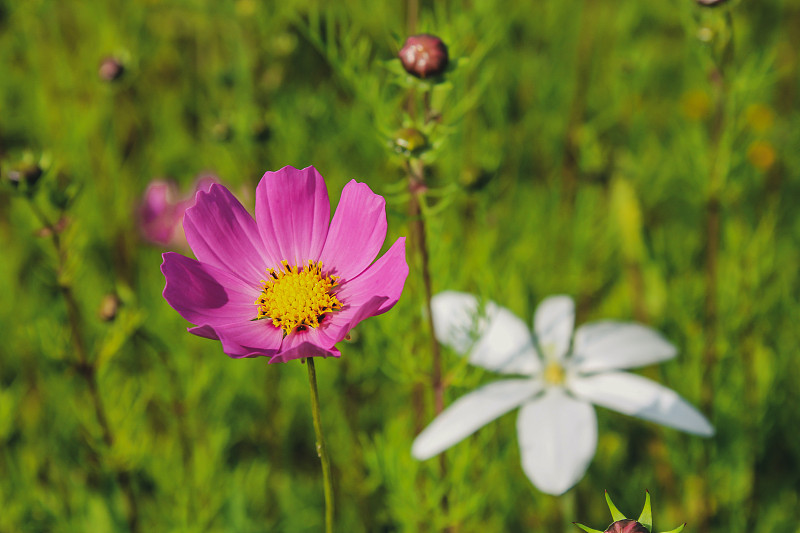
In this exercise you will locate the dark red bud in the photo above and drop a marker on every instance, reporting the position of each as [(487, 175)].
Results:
[(424, 56), (626, 526), (111, 69), (711, 3)]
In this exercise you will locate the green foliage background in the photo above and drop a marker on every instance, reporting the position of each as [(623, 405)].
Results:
[(575, 153)]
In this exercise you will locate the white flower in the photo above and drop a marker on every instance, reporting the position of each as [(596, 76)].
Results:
[(557, 425)]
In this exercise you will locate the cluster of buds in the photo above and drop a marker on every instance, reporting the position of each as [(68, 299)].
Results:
[(621, 524)]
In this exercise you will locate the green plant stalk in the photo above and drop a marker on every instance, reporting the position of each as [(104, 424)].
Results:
[(717, 176), (84, 366), (322, 451), (420, 240)]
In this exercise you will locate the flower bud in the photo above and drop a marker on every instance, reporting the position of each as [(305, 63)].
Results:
[(111, 69), (409, 141), (626, 526), (27, 174), (109, 307), (222, 131), (711, 3), (622, 524), (424, 56)]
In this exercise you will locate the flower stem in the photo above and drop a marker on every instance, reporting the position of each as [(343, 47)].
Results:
[(322, 451), (420, 240), (84, 365), (717, 176)]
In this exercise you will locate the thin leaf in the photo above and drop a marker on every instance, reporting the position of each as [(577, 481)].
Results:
[(588, 529), (677, 529), (646, 518), (615, 514)]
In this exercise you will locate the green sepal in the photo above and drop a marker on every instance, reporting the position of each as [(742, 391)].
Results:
[(646, 518), (677, 529), (588, 529), (615, 514)]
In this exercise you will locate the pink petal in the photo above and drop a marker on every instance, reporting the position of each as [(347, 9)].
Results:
[(250, 338), (337, 325), (203, 294), (207, 332), (222, 234), (357, 231), (302, 344), (383, 279), (293, 214)]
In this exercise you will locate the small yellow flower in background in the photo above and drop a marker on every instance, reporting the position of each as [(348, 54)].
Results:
[(761, 155), (696, 104), (759, 117)]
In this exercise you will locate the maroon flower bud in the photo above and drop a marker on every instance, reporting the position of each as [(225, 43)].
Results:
[(111, 69), (626, 526), (424, 56), (711, 3)]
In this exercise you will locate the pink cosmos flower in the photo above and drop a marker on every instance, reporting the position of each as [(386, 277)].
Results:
[(291, 283), (162, 209)]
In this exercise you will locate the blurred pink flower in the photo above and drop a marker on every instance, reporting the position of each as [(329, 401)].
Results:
[(162, 208), (321, 280)]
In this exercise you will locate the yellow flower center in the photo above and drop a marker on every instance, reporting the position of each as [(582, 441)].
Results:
[(297, 298), (554, 373)]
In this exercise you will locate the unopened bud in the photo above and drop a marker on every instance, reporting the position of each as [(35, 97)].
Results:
[(109, 307), (111, 69), (623, 524), (261, 131), (27, 174), (409, 141), (711, 3), (424, 56), (626, 526), (222, 132)]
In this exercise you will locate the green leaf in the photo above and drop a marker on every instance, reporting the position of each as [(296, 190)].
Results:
[(587, 529), (677, 529), (646, 518), (615, 514)]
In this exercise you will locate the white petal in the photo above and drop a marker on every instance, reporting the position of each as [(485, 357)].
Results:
[(614, 345), (637, 396), (553, 324), (471, 412), (557, 440), (500, 341)]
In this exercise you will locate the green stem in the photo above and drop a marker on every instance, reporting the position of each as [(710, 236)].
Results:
[(84, 365), (322, 451)]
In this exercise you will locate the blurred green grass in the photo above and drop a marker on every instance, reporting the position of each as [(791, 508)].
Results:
[(580, 138)]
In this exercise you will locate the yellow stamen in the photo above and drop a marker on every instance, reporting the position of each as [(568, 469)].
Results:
[(297, 298), (554, 373)]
